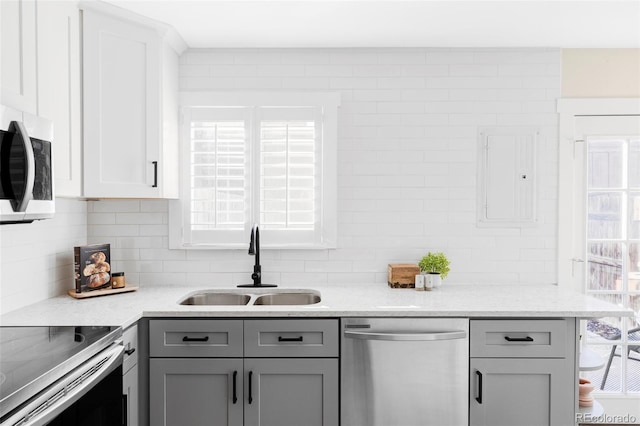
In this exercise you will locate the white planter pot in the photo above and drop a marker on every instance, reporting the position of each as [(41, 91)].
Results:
[(432, 280)]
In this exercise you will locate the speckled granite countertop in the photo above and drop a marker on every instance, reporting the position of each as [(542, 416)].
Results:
[(374, 300)]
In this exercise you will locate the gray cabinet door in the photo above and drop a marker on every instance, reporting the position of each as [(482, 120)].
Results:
[(130, 390), (195, 392), (291, 392), (519, 392)]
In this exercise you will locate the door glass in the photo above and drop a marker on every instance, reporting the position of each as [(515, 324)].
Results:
[(613, 259)]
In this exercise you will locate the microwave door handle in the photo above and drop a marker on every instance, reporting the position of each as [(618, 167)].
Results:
[(31, 166)]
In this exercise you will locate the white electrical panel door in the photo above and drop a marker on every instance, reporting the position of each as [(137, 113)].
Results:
[(507, 177)]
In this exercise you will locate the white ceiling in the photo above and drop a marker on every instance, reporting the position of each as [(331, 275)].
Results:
[(398, 23)]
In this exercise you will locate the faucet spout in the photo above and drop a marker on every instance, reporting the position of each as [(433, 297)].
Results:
[(254, 250)]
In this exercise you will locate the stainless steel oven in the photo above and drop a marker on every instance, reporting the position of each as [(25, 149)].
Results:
[(69, 376)]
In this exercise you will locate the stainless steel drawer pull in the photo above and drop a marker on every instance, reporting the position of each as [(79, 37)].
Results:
[(368, 335), (518, 339), (289, 339), (195, 339)]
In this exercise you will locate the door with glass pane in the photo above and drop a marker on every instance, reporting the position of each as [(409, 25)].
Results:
[(610, 149)]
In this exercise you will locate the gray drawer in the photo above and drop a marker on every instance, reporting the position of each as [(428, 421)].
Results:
[(291, 338), (520, 338), (195, 338), (130, 340)]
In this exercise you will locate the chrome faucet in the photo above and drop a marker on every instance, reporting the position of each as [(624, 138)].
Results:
[(254, 250)]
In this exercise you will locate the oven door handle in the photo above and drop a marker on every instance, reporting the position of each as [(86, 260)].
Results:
[(62, 394)]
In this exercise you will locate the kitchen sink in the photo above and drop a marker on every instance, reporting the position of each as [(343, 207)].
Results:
[(230, 298), (288, 298), (212, 298)]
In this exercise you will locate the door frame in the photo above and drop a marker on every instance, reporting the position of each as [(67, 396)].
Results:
[(568, 109)]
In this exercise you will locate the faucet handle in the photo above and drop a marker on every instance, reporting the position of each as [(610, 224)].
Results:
[(252, 244)]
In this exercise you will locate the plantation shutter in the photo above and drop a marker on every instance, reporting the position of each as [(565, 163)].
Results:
[(219, 146), (290, 170)]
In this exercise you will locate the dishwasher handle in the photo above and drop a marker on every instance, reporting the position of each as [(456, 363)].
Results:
[(409, 336)]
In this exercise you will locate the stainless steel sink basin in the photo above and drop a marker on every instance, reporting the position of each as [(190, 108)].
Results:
[(288, 298), (211, 298)]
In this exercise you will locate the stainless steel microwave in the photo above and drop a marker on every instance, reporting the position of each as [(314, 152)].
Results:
[(26, 167)]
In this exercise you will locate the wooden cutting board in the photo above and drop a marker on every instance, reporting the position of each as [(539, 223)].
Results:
[(103, 292)]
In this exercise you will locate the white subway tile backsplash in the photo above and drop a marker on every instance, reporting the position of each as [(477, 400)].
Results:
[(407, 140), (401, 82), (146, 218), (307, 83), (36, 260)]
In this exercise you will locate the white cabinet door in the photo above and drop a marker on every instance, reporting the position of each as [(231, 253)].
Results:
[(122, 107), (59, 89), (18, 82)]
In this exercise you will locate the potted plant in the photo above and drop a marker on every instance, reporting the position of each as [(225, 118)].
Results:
[(436, 267)]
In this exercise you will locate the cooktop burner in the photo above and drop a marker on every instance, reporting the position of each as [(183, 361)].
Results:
[(27, 353)]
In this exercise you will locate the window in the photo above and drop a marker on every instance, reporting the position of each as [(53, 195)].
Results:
[(258, 158)]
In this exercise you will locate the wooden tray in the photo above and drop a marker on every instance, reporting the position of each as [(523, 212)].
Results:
[(103, 292)]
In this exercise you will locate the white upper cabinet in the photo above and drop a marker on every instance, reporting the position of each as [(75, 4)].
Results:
[(59, 86), (41, 75), (130, 81), (18, 81)]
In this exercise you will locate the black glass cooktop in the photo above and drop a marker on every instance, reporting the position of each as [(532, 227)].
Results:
[(28, 353)]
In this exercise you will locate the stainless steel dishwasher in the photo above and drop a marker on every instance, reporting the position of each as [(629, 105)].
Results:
[(405, 372)]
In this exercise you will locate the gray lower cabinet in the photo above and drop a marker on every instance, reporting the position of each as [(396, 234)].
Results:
[(195, 392), (291, 392), (130, 391), (244, 372), (130, 379), (522, 372)]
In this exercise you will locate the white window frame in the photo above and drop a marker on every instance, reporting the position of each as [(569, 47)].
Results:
[(326, 236)]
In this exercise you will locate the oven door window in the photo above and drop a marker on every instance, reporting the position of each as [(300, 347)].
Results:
[(103, 405)]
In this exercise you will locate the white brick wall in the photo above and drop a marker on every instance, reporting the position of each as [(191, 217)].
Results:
[(37, 258), (407, 166)]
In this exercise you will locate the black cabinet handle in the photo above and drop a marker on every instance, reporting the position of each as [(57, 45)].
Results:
[(289, 339), (195, 339), (129, 351), (518, 339), (479, 397), (250, 392), (235, 393), (155, 174)]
